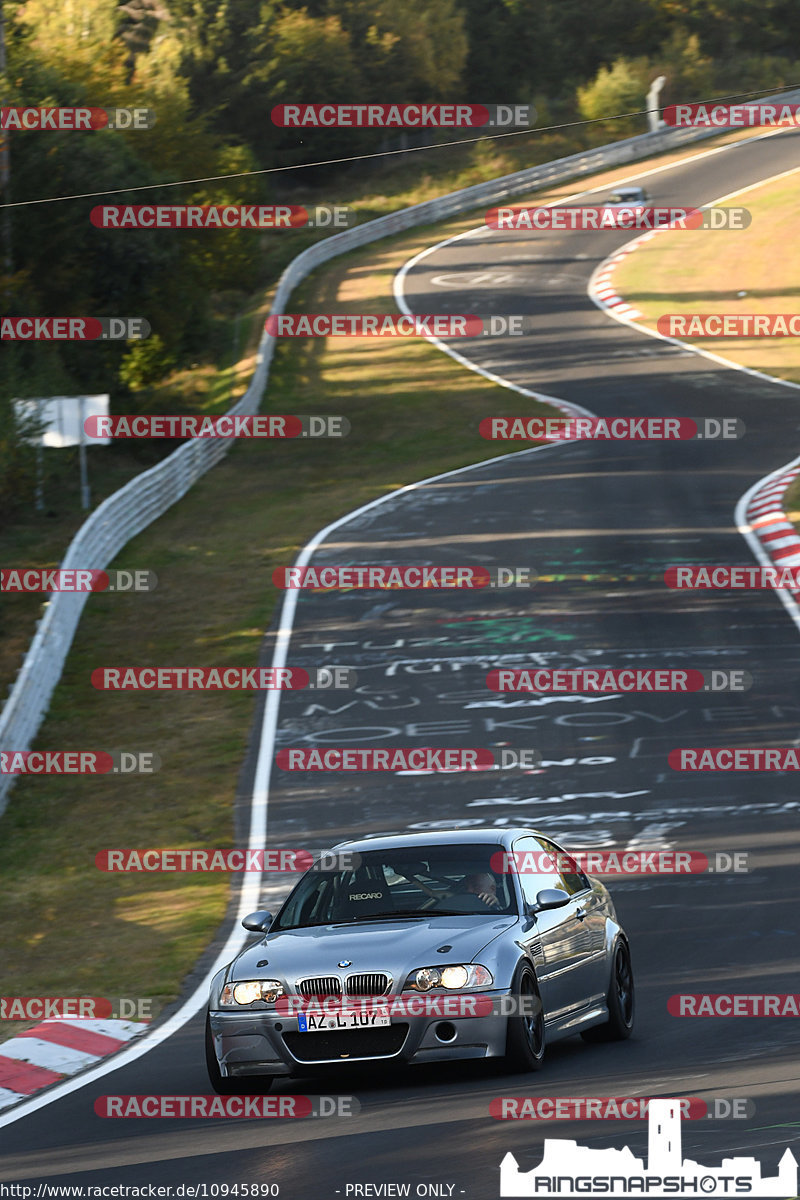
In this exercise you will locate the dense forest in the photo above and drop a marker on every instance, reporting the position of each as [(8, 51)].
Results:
[(213, 69)]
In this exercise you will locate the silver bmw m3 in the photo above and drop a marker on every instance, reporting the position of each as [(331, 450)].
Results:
[(421, 948)]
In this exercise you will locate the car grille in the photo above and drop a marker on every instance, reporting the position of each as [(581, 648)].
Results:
[(349, 1044), (321, 985), (367, 985), (371, 984)]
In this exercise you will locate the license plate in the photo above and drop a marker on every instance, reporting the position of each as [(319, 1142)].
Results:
[(313, 1022)]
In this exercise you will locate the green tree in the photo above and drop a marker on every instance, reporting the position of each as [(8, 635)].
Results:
[(620, 88)]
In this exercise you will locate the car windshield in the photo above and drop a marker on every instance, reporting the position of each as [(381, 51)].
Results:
[(624, 197), (410, 883)]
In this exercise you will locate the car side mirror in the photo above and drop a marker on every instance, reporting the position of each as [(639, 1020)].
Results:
[(258, 922), (549, 898)]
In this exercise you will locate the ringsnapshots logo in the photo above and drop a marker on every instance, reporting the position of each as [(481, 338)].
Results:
[(226, 426), (403, 116), (428, 325), (613, 429), (568, 1169), (59, 119), (222, 216), (73, 329)]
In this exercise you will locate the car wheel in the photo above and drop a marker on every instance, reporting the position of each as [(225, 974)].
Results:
[(525, 1037), (227, 1085), (621, 1001)]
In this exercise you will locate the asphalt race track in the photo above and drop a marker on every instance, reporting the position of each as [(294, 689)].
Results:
[(608, 518)]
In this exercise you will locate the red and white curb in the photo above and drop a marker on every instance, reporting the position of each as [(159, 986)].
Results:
[(601, 287), (55, 1049), (767, 519)]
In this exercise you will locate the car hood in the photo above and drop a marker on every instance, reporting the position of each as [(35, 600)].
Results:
[(395, 947)]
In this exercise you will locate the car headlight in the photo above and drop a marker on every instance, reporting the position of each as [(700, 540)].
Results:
[(463, 975), (254, 989)]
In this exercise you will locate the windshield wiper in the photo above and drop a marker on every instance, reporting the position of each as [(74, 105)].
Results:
[(382, 916), (387, 916), (430, 912)]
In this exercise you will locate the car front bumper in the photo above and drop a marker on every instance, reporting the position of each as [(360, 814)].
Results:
[(265, 1042)]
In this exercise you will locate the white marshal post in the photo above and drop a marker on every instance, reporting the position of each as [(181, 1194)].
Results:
[(652, 103)]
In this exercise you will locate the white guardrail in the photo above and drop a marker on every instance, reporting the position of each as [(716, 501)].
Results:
[(131, 509)]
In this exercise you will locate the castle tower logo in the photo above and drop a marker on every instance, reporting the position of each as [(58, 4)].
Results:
[(568, 1169)]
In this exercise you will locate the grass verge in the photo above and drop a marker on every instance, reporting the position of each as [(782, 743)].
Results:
[(733, 271)]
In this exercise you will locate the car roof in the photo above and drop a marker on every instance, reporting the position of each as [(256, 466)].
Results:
[(628, 191), (440, 837)]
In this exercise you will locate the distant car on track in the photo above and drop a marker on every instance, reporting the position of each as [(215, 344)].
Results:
[(635, 198), (376, 962), (628, 196)]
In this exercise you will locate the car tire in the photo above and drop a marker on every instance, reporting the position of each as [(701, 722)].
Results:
[(230, 1085), (525, 1036), (621, 1001)]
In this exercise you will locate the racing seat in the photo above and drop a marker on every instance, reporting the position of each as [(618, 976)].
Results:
[(363, 897)]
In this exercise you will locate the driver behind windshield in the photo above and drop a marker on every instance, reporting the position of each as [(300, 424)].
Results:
[(484, 887)]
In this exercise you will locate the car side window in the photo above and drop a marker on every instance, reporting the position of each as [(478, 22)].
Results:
[(536, 866), (572, 880)]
